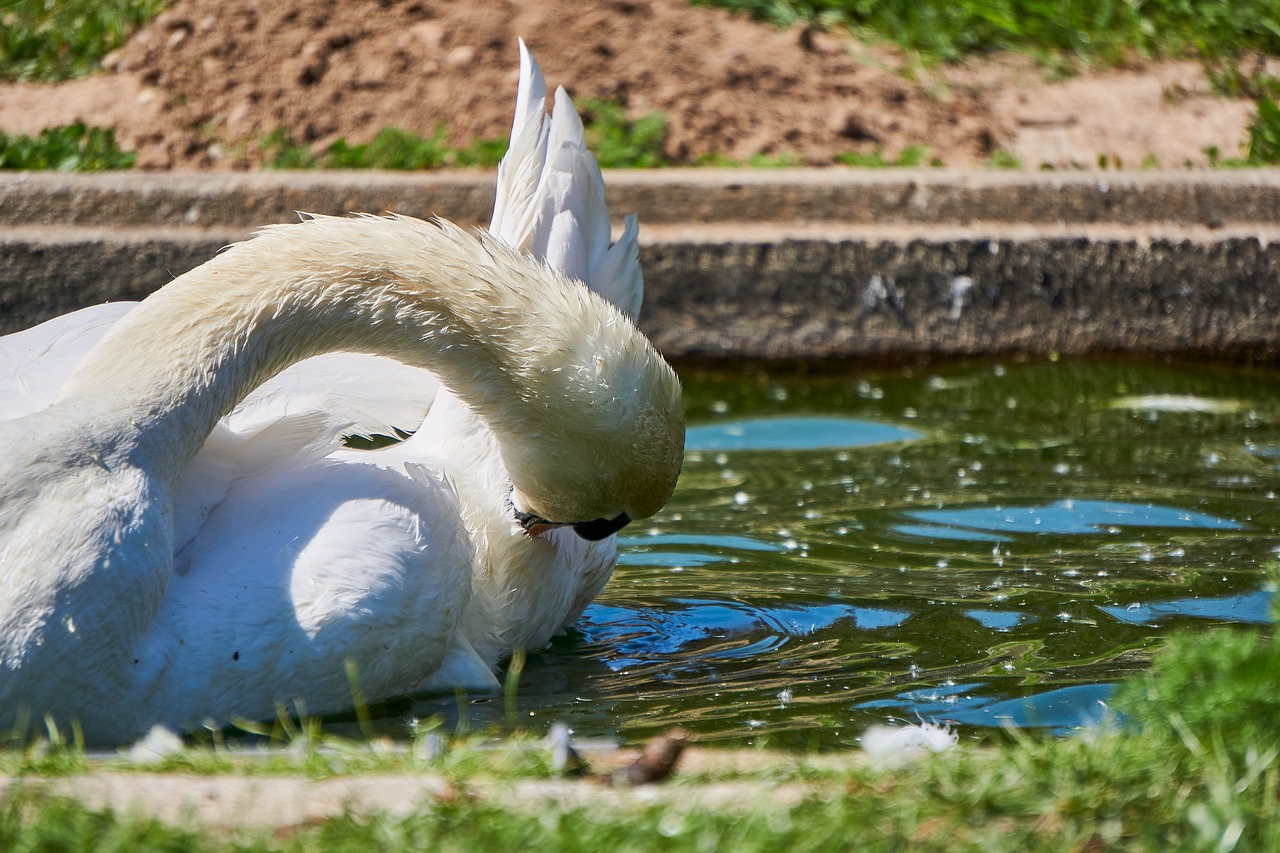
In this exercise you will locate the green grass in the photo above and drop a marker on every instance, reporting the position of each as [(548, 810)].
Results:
[(620, 142), (399, 149), (781, 160), (51, 40), (911, 157), (71, 148), (392, 149), (1103, 30), (1002, 159), (1264, 134)]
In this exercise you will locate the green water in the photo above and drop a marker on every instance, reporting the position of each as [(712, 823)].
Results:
[(981, 545)]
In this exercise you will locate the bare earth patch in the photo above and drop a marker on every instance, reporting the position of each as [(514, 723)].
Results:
[(201, 84)]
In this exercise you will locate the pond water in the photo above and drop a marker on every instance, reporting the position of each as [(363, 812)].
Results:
[(981, 545)]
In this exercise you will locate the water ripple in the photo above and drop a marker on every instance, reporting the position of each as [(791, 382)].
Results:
[(1026, 542)]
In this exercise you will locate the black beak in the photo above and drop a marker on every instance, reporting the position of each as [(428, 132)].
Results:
[(592, 531)]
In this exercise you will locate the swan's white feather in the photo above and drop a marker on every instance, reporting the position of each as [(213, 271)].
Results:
[(520, 171), (35, 362), (551, 198), (368, 394), (346, 562)]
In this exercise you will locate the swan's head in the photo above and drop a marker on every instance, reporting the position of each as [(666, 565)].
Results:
[(597, 439), (618, 457), (586, 415)]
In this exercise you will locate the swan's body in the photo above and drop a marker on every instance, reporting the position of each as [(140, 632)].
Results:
[(165, 559)]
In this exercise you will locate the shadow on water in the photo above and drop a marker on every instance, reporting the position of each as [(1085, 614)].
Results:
[(983, 545)]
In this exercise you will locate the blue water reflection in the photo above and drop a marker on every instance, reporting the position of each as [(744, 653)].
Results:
[(996, 620), (805, 433), (683, 550), (1252, 608), (1069, 516), (1062, 711), (637, 635)]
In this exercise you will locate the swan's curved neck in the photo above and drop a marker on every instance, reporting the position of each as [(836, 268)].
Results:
[(401, 288), (586, 414)]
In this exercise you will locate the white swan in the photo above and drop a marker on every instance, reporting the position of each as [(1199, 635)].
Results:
[(165, 559)]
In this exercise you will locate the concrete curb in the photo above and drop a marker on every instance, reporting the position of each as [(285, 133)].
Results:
[(796, 265), (706, 779), (287, 802)]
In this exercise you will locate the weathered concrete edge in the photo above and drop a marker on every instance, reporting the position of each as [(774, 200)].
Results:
[(667, 196), (706, 778), (276, 803), (807, 300)]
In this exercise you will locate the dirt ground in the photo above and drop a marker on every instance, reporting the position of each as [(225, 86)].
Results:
[(203, 81)]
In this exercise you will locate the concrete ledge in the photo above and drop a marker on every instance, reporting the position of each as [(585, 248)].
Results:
[(45, 274), (658, 197), (810, 300), (953, 264)]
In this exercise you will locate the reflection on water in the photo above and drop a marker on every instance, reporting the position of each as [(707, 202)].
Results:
[(979, 545), (989, 524), (792, 433)]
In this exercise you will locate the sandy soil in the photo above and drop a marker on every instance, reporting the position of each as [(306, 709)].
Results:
[(198, 85)]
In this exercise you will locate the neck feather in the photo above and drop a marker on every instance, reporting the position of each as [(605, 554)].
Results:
[(426, 294)]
